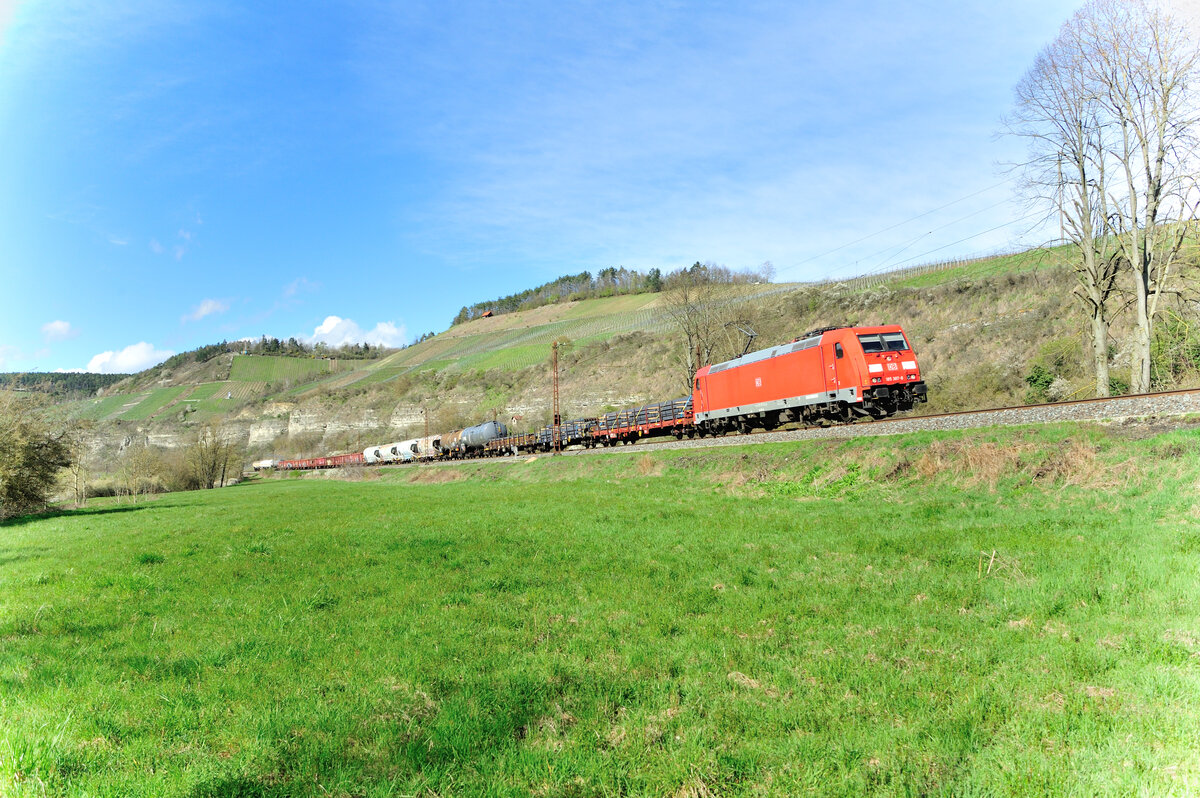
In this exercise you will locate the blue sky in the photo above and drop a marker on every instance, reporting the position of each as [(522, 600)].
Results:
[(179, 173)]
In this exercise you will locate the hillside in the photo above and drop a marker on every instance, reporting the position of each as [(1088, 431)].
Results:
[(981, 329)]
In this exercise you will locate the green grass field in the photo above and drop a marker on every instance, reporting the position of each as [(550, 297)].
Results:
[(993, 613)]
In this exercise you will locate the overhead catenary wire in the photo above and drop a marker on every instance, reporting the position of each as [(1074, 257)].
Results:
[(961, 240), (888, 264), (897, 224)]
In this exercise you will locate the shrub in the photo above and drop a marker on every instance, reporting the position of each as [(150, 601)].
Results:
[(32, 453), (1039, 379), (1174, 352)]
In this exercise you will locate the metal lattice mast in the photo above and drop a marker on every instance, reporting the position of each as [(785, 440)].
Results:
[(557, 417)]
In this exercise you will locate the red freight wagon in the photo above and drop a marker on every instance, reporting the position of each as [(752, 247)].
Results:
[(835, 374), (332, 461)]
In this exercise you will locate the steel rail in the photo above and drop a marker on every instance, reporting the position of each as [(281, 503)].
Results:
[(866, 423)]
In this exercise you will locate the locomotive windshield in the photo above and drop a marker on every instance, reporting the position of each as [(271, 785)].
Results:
[(886, 342)]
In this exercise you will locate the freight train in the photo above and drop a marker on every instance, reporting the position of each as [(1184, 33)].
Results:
[(826, 376)]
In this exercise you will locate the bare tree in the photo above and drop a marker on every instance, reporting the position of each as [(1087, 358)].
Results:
[(78, 471), (1061, 113), (79, 476), (138, 468), (211, 457), (1146, 64), (697, 301)]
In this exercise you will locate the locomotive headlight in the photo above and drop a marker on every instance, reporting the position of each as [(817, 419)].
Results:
[(876, 380), (910, 376)]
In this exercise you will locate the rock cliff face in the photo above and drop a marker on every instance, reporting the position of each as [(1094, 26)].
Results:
[(406, 416), (266, 431)]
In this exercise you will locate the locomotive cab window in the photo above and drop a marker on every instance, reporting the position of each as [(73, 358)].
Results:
[(837, 351), (887, 342), (870, 343)]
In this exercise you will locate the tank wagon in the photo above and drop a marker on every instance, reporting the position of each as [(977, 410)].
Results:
[(472, 440), (386, 453), (826, 376), (427, 448)]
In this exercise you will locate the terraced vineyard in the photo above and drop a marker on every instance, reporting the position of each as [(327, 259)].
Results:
[(262, 368), (154, 402), (106, 408), (517, 341)]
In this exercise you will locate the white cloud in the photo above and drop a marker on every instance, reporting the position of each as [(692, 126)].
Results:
[(298, 285), (181, 249), (206, 308), (116, 240), (156, 247), (58, 331), (132, 358), (336, 331)]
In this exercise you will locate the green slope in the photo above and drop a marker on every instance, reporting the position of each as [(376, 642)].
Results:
[(508, 343)]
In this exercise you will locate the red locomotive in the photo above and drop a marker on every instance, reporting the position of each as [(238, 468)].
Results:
[(830, 375)]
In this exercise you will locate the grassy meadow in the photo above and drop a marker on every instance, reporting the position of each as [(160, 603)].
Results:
[(975, 614)]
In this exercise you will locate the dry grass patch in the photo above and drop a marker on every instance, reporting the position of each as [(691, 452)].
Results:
[(436, 476), (1074, 462), (648, 466), (979, 463), (1187, 639), (742, 680), (1053, 701), (696, 788), (351, 474), (732, 479)]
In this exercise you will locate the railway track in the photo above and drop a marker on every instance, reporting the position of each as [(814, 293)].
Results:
[(1164, 404), (1161, 405)]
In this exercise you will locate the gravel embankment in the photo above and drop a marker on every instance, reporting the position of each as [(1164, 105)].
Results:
[(1160, 406)]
